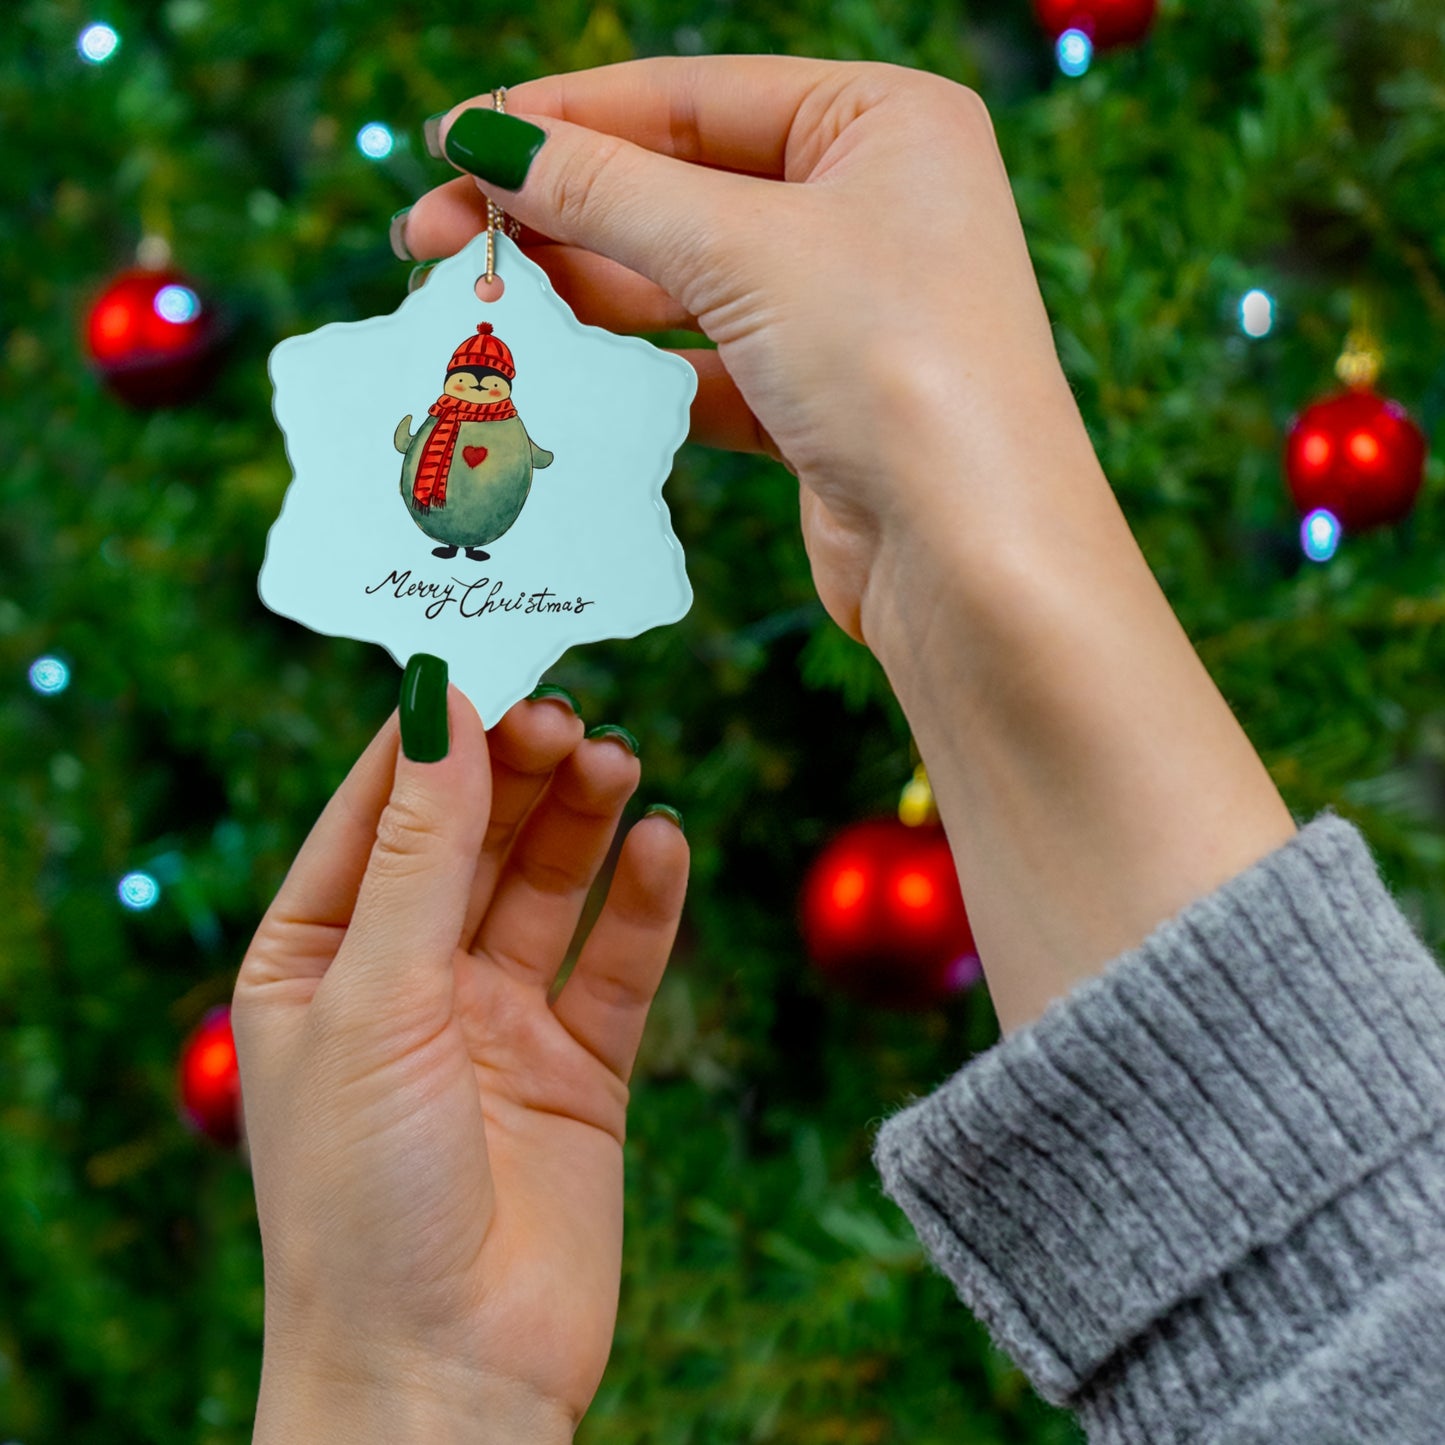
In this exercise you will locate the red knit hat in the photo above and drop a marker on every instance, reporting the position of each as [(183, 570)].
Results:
[(483, 349)]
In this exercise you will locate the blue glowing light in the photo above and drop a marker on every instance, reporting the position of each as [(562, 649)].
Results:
[(1075, 51), (49, 675), (97, 43), (1256, 313), (138, 891), (177, 304), (375, 140), (1320, 535)]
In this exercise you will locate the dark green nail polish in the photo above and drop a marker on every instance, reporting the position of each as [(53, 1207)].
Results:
[(612, 730), (424, 734), (550, 689), (431, 134), (396, 233), (667, 812), (498, 148), (418, 275)]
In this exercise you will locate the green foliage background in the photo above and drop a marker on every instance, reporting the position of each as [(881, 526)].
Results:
[(771, 1292)]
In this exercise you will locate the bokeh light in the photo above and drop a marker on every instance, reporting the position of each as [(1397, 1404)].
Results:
[(914, 889), (177, 304), (216, 1058), (375, 141), (849, 887), (1075, 52), (49, 675), (1256, 313), (1364, 448), (964, 971), (1320, 535), (138, 891), (1315, 451), (97, 43)]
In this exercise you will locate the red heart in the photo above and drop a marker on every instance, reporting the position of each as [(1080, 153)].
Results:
[(475, 456)]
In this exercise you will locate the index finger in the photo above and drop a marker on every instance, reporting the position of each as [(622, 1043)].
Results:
[(734, 112)]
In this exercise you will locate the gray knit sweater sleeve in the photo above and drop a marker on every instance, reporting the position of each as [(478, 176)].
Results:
[(1202, 1199)]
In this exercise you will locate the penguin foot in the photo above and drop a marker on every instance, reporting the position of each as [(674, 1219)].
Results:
[(477, 555), (445, 552)]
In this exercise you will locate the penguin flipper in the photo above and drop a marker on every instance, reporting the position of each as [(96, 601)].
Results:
[(541, 457), (402, 438)]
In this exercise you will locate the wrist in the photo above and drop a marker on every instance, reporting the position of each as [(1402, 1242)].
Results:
[(320, 1402), (949, 575), (997, 474)]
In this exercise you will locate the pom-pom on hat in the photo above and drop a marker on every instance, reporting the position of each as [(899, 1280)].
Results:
[(484, 350)]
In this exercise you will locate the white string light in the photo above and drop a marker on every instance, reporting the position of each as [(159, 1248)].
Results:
[(375, 140), (138, 891), (97, 43), (1320, 535), (1074, 51), (49, 675), (1256, 313)]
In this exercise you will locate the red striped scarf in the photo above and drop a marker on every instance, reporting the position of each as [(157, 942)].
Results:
[(429, 486)]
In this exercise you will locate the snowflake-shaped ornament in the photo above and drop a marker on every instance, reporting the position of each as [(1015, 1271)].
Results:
[(478, 480)]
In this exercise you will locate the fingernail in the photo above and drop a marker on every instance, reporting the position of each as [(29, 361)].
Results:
[(424, 735), (612, 730), (397, 235), (664, 810), (418, 275), (498, 148), (431, 134), (550, 689)]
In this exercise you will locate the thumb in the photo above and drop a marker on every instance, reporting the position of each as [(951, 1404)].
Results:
[(395, 963), (664, 218)]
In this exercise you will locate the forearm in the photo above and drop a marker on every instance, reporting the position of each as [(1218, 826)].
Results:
[(1091, 778)]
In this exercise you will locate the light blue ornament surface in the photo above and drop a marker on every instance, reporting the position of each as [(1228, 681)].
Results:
[(347, 556)]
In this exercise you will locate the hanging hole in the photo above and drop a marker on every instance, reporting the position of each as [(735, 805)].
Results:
[(489, 290)]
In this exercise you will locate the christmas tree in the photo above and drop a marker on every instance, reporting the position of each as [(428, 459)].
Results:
[(1212, 210)]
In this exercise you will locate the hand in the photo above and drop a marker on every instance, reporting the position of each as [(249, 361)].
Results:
[(847, 236), (878, 324), (437, 1151)]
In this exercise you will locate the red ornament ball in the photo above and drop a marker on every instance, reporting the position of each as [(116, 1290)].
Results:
[(210, 1081), (1359, 456), (152, 337), (1107, 23), (883, 916)]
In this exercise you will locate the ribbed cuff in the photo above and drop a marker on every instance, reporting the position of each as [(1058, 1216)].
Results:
[(1104, 1177)]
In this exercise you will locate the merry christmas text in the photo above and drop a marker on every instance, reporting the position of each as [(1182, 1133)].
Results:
[(476, 599)]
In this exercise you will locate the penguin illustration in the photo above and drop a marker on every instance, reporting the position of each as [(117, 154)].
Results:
[(468, 469)]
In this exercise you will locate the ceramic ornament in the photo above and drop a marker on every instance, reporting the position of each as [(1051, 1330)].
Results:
[(478, 480)]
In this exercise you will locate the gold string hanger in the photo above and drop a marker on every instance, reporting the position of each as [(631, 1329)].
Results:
[(496, 216), (154, 251), (1360, 361)]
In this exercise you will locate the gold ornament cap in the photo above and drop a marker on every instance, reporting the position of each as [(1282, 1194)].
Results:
[(1360, 362), (915, 804)]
